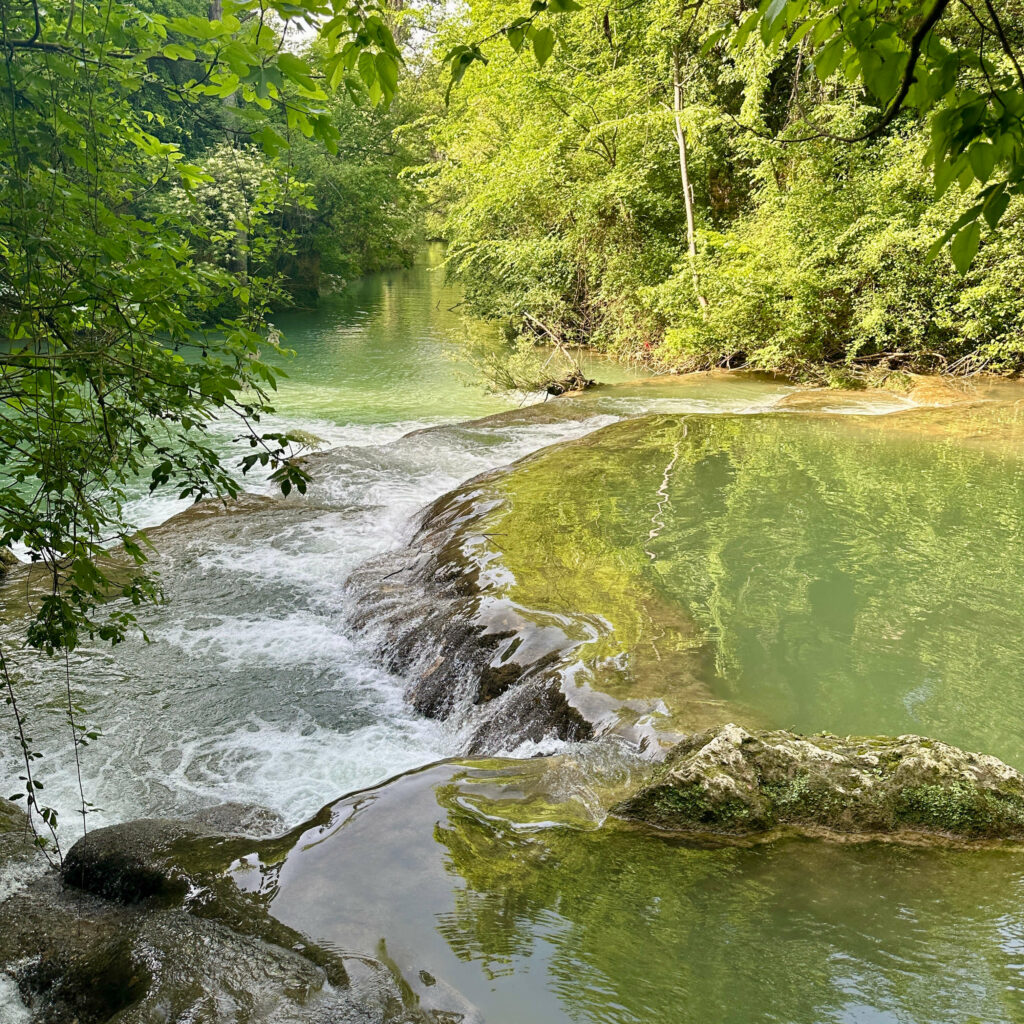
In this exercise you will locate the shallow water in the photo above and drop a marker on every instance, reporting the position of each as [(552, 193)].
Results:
[(490, 912)]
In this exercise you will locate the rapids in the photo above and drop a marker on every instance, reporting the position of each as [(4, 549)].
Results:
[(253, 686)]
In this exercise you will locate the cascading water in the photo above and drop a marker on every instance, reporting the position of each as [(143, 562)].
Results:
[(253, 686)]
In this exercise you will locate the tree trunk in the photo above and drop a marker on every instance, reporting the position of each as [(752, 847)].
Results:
[(684, 173), (216, 14)]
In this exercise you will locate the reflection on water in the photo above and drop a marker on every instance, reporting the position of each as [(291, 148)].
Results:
[(385, 350), (454, 873), (857, 575)]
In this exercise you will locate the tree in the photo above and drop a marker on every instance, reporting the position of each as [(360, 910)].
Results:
[(958, 64), (954, 63), (111, 367), (809, 203)]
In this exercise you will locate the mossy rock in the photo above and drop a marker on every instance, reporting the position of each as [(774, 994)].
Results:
[(140, 859), (731, 781)]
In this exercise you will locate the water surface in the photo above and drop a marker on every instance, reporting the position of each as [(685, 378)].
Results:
[(488, 910), (852, 574), (798, 570), (253, 686)]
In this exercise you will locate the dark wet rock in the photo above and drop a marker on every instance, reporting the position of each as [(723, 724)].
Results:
[(736, 782), (535, 710), (202, 970), (135, 860), (78, 959), (68, 955), (241, 819), (465, 653), (146, 925)]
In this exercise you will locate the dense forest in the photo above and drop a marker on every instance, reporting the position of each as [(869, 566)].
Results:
[(560, 193)]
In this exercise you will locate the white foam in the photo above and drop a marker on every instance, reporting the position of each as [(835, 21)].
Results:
[(12, 1009)]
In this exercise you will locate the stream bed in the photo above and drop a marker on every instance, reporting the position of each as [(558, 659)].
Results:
[(666, 554)]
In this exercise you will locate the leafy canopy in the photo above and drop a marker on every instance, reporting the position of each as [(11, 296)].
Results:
[(117, 361), (955, 63)]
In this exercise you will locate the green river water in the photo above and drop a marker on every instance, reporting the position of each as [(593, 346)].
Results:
[(704, 559)]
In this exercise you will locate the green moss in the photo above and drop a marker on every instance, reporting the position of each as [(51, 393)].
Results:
[(960, 809), (669, 806)]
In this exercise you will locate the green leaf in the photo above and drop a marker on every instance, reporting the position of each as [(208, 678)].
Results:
[(802, 31), (743, 34), (367, 69), (174, 51), (712, 40), (543, 44), (825, 28), (828, 58), (387, 72), (995, 206), (945, 173), (982, 156), (772, 15), (965, 247)]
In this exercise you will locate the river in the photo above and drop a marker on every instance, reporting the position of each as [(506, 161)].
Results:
[(802, 571)]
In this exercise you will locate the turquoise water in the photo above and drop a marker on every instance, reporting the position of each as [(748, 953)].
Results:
[(389, 349), (861, 575)]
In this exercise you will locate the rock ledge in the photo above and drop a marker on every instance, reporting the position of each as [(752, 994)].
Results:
[(733, 782)]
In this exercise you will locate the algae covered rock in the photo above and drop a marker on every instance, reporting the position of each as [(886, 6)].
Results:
[(731, 781), (135, 860)]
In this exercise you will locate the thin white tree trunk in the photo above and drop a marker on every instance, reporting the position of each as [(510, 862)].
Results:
[(684, 174)]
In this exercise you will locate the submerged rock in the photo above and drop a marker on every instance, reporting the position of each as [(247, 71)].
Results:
[(242, 819), (145, 925), (736, 782)]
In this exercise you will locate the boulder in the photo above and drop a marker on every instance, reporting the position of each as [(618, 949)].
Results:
[(80, 959), (135, 860), (162, 857), (734, 782)]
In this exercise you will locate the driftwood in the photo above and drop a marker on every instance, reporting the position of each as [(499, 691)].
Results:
[(576, 379)]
